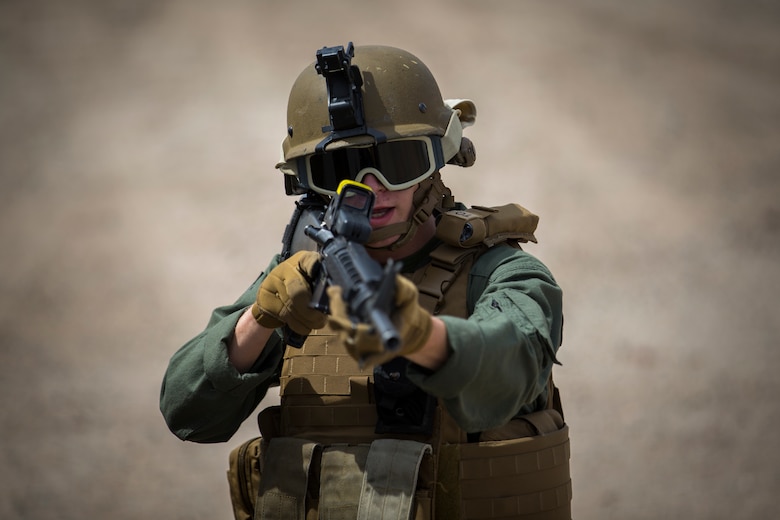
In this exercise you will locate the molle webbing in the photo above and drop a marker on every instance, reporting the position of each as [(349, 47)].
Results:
[(323, 373), (490, 475)]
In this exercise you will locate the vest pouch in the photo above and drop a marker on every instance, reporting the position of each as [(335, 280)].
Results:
[(343, 481), (244, 470), (487, 225), (527, 477), (401, 406)]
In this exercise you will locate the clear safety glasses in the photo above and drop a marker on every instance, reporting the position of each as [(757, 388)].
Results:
[(397, 164)]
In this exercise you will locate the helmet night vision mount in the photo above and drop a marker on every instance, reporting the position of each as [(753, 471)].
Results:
[(345, 97)]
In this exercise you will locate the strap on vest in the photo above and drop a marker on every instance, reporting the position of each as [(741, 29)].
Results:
[(342, 481), (554, 397), (370, 483), (391, 479), (282, 494), (446, 263)]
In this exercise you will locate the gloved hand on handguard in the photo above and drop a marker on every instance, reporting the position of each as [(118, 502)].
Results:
[(410, 319)]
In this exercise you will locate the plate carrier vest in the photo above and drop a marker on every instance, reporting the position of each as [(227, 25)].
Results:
[(333, 450)]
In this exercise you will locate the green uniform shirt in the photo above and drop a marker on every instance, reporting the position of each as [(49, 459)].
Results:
[(501, 356)]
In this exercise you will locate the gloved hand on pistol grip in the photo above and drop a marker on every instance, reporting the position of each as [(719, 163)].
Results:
[(412, 322), (285, 294)]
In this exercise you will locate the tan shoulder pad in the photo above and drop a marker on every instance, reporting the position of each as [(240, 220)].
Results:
[(487, 225)]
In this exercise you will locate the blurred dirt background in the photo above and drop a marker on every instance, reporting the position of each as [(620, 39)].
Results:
[(137, 192)]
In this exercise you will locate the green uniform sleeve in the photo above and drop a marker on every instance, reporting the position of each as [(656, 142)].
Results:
[(203, 397), (502, 355)]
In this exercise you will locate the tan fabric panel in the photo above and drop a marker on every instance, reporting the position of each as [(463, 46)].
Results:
[(344, 415), (537, 423), (552, 504), (496, 459), (322, 367), (332, 361), (340, 491), (316, 384), (447, 498), (488, 225), (282, 493), (244, 470), (390, 479), (438, 278), (491, 473), (503, 483)]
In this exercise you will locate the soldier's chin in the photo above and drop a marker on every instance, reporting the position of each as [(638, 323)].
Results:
[(384, 243)]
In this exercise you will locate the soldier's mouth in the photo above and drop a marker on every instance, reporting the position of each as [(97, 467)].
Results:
[(381, 216)]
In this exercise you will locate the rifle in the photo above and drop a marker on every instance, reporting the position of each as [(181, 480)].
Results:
[(368, 289)]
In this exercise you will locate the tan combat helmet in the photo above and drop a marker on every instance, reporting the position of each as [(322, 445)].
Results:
[(360, 97)]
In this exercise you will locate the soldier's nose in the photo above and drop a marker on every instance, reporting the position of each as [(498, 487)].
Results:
[(373, 182)]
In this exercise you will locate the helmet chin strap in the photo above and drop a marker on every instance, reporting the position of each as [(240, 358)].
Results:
[(429, 196)]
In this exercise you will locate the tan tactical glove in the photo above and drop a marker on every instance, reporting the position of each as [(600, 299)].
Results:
[(285, 294), (412, 321)]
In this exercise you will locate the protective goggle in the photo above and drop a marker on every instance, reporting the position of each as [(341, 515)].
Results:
[(397, 164)]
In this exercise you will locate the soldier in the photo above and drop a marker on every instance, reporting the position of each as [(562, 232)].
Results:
[(463, 420)]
